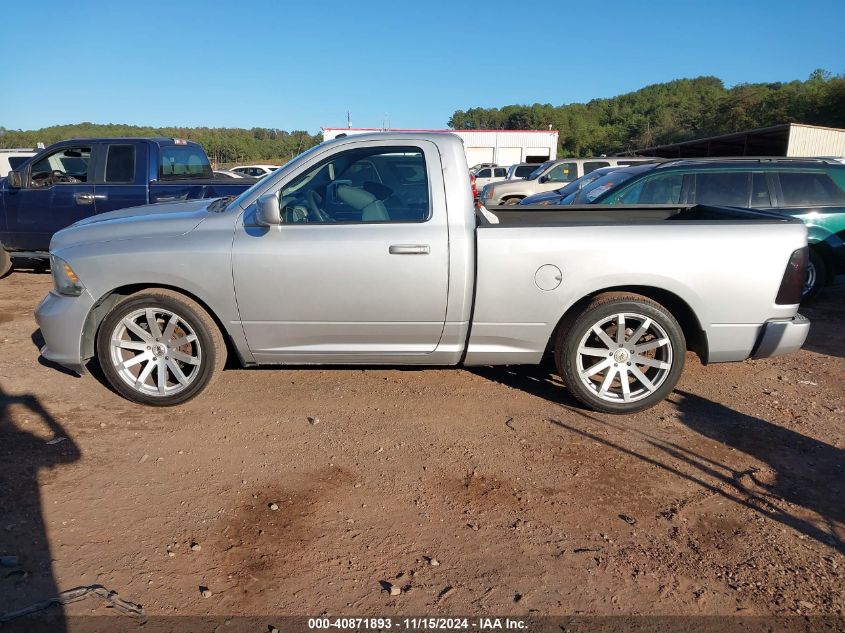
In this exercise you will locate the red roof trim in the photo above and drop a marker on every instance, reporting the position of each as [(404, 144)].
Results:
[(378, 129)]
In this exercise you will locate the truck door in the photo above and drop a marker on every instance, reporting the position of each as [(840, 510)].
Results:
[(358, 271), (57, 191), (120, 176)]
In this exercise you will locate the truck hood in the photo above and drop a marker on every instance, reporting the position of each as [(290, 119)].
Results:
[(167, 219), (507, 186), (547, 197)]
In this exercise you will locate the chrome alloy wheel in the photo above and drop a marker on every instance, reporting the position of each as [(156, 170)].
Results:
[(155, 352), (624, 357)]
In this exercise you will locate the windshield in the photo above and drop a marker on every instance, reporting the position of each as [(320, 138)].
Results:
[(534, 175), (577, 185), (607, 182), (240, 200)]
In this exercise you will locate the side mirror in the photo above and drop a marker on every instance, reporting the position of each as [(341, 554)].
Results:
[(544, 180), (15, 179), (267, 212)]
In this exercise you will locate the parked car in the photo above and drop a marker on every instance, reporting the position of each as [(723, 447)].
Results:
[(12, 159), (475, 168), (75, 179), (812, 190), (367, 249), (548, 176), (487, 175), (255, 171), (605, 183), (521, 170), (227, 173), (556, 196)]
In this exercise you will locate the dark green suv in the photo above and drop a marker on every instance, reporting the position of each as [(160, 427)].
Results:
[(812, 189)]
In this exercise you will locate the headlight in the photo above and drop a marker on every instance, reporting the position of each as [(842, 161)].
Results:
[(64, 278)]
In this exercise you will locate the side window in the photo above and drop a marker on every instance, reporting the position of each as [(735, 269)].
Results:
[(500, 172), (729, 189), (760, 198), (120, 164), (366, 185), (183, 161), (564, 172), (594, 165), (484, 173), (810, 189), (66, 166), (659, 189)]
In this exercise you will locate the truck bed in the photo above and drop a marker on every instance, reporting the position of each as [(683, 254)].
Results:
[(724, 265)]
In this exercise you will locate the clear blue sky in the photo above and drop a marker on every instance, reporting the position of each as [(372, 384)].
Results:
[(302, 65)]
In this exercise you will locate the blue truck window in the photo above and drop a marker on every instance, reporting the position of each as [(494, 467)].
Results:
[(184, 161), (120, 164)]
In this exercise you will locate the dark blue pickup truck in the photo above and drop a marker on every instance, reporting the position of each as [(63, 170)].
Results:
[(75, 179)]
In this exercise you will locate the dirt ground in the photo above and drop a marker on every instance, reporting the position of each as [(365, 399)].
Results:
[(472, 491)]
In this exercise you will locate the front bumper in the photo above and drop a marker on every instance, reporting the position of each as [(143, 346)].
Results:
[(782, 337), (62, 322)]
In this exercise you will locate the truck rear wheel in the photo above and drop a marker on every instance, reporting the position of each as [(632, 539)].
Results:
[(5, 262), (160, 348), (623, 353)]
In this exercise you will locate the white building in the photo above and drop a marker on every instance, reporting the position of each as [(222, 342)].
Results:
[(503, 147)]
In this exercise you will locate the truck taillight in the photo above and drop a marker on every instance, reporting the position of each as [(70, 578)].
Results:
[(794, 277)]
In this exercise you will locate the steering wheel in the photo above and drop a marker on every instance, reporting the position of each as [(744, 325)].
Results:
[(42, 179), (60, 176), (313, 201)]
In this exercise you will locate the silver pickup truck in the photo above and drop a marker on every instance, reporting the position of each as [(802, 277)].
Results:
[(368, 249)]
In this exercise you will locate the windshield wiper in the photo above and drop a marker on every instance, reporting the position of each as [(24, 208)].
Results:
[(221, 203)]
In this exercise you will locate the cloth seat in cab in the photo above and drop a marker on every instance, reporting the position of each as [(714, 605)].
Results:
[(372, 209)]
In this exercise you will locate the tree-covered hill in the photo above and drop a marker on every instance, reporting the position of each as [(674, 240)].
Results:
[(223, 145), (669, 112), (661, 113)]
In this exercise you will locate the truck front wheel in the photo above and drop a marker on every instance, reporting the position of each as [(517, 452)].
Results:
[(622, 353), (160, 348)]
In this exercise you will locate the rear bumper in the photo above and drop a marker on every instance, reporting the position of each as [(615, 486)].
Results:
[(62, 321), (782, 337)]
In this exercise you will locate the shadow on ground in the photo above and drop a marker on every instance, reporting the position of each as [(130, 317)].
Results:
[(796, 469), (827, 314), (31, 440)]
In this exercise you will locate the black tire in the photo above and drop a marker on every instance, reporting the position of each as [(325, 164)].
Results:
[(5, 262), (205, 354), (662, 373), (816, 276)]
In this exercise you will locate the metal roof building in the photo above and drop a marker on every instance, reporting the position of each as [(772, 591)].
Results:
[(788, 139), (503, 147)]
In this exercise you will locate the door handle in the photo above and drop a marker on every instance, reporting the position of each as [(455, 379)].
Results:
[(84, 198), (409, 249)]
